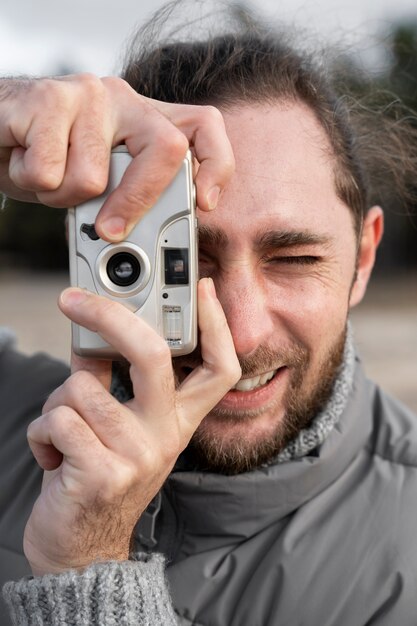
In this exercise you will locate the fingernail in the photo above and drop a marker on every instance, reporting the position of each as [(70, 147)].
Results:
[(213, 197), (114, 228), (73, 297)]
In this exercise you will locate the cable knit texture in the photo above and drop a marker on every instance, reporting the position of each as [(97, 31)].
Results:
[(310, 438), (129, 593)]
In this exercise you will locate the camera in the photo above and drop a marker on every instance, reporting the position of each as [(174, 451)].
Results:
[(153, 272)]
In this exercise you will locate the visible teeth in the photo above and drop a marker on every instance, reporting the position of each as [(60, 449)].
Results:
[(265, 377), (247, 384)]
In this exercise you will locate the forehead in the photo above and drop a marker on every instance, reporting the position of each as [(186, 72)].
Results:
[(284, 175)]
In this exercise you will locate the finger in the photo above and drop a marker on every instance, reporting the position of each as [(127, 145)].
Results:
[(39, 118), (220, 370), (116, 427), (148, 353), (158, 149), (205, 130), (46, 455), (8, 188), (145, 179), (39, 165), (88, 159), (62, 433)]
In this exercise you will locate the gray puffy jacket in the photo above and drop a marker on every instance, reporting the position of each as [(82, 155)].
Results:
[(325, 540)]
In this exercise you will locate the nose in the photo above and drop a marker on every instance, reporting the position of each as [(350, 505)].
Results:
[(246, 308)]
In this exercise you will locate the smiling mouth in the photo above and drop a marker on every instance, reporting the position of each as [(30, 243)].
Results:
[(248, 384)]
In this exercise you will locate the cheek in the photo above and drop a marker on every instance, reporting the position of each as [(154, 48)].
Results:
[(312, 311)]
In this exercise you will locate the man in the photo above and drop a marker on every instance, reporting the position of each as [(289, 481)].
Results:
[(294, 501)]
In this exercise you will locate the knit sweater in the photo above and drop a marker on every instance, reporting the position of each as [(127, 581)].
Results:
[(131, 593)]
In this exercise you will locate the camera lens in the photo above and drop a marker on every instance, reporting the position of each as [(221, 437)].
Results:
[(123, 269)]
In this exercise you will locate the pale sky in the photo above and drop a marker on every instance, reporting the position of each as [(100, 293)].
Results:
[(39, 36)]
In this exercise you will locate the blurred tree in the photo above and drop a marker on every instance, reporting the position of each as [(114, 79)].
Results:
[(33, 235), (403, 75), (402, 79), (384, 92)]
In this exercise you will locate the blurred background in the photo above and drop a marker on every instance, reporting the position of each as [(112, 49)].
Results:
[(51, 38)]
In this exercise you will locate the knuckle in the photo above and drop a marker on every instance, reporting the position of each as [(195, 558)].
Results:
[(160, 354), (115, 83), (43, 170), (88, 78), (150, 464), (91, 83), (173, 144), (64, 421), (124, 477), (41, 177), (170, 144), (79, 382), (92, 185), (212, 115)]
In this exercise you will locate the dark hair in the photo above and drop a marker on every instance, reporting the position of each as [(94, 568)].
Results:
[(251, 63)]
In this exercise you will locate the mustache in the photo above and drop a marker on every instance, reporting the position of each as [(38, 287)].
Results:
[(264, 359)]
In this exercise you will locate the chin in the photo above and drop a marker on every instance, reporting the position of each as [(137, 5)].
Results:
[(248, 429)]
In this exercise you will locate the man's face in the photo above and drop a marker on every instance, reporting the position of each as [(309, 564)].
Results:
[(281, 250)]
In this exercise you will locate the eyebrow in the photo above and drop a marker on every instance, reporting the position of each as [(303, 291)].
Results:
[(212, 237), (217, 238), (289, 239)]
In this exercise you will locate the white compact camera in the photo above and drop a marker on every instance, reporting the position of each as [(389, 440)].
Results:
[(154, 272)]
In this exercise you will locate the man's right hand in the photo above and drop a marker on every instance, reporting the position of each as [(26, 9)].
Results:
[(56, 136), (110, 459)]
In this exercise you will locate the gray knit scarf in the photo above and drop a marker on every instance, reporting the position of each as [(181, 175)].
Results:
[(309, 438)]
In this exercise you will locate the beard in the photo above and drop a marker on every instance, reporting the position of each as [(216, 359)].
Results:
[(307, 393)]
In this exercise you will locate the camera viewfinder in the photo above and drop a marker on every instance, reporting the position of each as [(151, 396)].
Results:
[(176, 266)]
